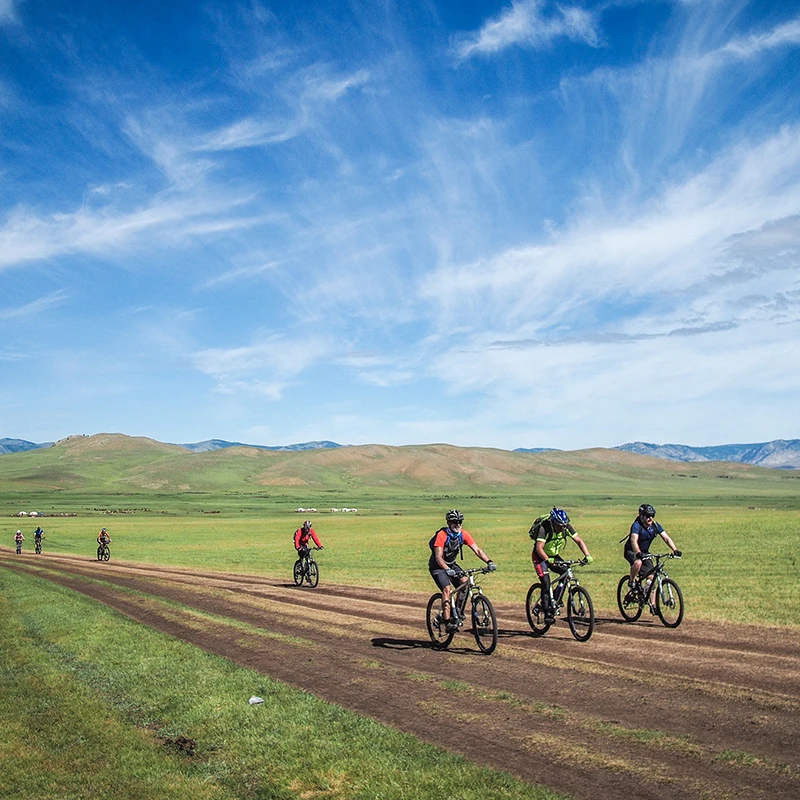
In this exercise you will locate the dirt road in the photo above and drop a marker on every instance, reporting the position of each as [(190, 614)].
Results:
[(639, 711)]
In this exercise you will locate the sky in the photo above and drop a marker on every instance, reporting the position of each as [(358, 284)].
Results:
[(496, 224)]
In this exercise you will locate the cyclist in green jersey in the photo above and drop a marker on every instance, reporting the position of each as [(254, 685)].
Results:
[(551, 537)]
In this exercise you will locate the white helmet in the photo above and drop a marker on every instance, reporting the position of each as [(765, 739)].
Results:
[(19, 531)]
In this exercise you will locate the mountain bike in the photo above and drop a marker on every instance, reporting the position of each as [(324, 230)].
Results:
[(306, 569), (580, 611), (633, 597), (103, 553), (37, 545), (484, 621), (19, 547)]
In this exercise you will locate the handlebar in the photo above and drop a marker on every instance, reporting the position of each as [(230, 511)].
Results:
[(658, 556)]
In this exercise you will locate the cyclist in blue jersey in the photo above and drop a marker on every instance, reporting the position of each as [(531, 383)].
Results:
[(643, 531)]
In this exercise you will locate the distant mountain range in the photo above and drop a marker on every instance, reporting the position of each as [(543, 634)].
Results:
[(778, 454), (20, 446)]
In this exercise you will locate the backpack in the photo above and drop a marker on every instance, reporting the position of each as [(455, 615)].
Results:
[(537, 523), (460, 547)]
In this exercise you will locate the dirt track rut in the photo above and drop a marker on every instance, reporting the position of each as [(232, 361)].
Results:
[(703, 711)]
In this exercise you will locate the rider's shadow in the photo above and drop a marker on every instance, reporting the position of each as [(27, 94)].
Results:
[(401, 644)]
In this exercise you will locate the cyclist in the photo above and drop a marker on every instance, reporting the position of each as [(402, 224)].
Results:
[(445, 546), (637, 544), (18, 540), (103, 537), (551, 535), (38, 535), (301, 537)]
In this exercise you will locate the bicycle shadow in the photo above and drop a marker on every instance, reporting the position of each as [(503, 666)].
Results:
[(420, 644)]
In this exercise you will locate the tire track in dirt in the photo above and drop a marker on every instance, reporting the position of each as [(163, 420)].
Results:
[(702, 711)]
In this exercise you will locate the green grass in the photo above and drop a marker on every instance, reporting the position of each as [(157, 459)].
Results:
[(739, 563), (93, 704)]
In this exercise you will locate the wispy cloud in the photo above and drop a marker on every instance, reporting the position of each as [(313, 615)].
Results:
[(264, 368), (35, 307), (8, 11), (525, 23), (308, 93)]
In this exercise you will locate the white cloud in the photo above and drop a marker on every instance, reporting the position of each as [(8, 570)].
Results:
[(264, 368), (525, 24), (8, 11), (35, 307)]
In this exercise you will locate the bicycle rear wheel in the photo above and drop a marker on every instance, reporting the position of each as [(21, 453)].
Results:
[(580, 613), (669, 603), (297, 573), (629, 606), (312, 576), (484, 624), (436, 627), (106, 553), (535, 610)]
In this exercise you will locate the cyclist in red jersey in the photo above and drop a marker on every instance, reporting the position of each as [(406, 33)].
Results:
[(445, 547), (301, 538)]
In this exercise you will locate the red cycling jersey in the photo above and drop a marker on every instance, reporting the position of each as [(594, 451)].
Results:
[(301, 538)]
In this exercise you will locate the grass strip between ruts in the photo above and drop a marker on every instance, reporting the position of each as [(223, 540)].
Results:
[(92, 704)]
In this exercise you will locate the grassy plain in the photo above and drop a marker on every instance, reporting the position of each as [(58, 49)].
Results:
[(94, 705)]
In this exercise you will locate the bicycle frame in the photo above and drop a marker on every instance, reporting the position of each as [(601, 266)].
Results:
[(561, 586), (467, 590)]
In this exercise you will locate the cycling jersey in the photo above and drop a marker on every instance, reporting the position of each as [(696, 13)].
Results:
[(301, 538), (554, 541), (450, 544), (645, 533)]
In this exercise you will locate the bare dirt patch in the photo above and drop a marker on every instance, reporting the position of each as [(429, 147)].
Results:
[(703, 711)]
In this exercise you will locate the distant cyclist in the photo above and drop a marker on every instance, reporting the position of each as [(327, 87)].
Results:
[(446, 545), (643, 531), (103, 538), (301, 538), (550, 535), (18, 540), (38, 535)]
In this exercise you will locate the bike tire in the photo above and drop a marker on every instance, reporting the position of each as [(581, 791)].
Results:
[(669, 603), (38, 549), (312, 576), (99, 553), (535, 611), (580, 613), (298, 572), (631, 610), (106, 554), (484, 624), (439, 636)]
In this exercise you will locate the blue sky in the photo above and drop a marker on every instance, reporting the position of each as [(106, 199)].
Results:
[(503, 224)]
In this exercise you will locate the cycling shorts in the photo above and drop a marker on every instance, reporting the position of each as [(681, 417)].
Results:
[(443, 580)]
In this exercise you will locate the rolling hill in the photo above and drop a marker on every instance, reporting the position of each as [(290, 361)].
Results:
[(118, 464)]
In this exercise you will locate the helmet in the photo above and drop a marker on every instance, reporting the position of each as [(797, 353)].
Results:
[(104, 531), (646, 510), (454, 515), (19, 531), (307, 525), (559, 516)]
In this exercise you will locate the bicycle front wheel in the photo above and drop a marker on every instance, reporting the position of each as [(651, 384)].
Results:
[(535, 610), (436, 627), (484, 624), (580, 613), (312, 576), (629, 606), (99, 553), (669, 603), (298, 572)]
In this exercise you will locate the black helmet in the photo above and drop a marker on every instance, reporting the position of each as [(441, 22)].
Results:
[(646, 510), (454, 515)]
